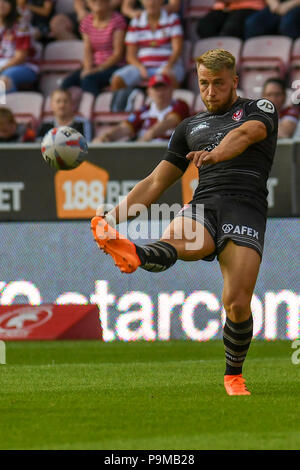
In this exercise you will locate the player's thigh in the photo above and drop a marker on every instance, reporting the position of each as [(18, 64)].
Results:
[(240, 266), (190, 238)]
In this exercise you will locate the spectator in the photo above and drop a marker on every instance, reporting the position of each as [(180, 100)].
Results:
[(81, 8), (103, 33), (279, 17), (10, 131), (62, 108), (275, 91), (42, 12), (25, 15), (154, 122), (62, 28), (227, 18), (18, 65), (133, 9), (154, 45)]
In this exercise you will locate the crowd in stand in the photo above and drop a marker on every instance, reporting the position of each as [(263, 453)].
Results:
[(130, 44)]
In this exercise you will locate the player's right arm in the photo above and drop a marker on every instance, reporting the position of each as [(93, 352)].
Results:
[(147, 191)]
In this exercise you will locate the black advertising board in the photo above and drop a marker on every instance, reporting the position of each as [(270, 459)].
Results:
[(31, 191)]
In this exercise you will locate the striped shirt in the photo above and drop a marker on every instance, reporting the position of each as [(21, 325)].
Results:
[(154, 47), (141, 121), (17, 38), (102, 39)]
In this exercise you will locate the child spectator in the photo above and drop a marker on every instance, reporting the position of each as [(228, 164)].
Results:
[(63, 115), (10, 131), (279, 17), (275, 91), (227, 18), (154, 46), (103, 33), (133, 9), (81, 8), (154, 122), (17, 54)]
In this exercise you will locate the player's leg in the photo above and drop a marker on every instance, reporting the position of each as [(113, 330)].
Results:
[(239, 266), (184, 238)]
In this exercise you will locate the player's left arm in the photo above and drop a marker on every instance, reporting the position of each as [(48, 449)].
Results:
[(233, 144)]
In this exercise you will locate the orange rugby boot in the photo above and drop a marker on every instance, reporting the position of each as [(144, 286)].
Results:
[(110, 241), (235, 385)]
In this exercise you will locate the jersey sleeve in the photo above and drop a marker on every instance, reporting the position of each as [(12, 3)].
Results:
[(264, 111), (178, 148)]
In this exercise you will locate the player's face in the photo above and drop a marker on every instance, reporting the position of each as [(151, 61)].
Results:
[(274, 93), (61, 105), (161, 95), (217, 89)]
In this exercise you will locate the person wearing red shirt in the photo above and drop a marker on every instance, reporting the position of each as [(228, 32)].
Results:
[(155, 121), (103, 32), (18, 64)]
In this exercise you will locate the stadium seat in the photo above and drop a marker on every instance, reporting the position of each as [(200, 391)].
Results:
[(185, 95), (231, 44), (263, 57), (63, 56), (197, 8), (50, 81), (194, 9), (26, 106), (186, 53), (86, 105), (102, 113), (64, 6), (295, 61)]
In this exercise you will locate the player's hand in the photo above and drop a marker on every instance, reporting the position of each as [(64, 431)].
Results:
[(201, 157)]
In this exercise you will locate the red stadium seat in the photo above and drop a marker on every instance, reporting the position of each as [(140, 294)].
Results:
[(187, 96), (197, 8), (102, 108), (63, 56), (50, 81), (264, 57), (295, 61), (26, 106), (231, 44), (86, 105)]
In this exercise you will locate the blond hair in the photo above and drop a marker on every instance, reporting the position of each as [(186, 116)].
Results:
[(216, 60), (61, 90)]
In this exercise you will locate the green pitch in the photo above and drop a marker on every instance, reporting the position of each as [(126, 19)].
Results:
[(91, 395)]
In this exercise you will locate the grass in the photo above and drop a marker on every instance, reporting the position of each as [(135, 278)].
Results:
[(163, 396)]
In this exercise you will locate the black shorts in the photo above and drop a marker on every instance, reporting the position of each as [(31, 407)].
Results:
[(230, 217)]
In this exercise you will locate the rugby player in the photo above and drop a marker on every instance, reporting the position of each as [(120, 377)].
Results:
[(233, 146)]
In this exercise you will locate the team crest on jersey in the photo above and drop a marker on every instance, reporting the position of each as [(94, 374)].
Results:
[(237, 116)]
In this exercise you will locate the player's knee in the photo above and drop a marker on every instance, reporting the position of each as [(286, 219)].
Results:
[(237, 309)]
